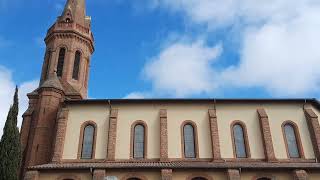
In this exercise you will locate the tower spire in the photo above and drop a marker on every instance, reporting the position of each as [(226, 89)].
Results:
[(75, 11)]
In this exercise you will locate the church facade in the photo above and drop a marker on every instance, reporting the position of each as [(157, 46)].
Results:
[(65, 136)]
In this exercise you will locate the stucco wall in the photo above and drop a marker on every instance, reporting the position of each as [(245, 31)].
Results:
[(247, 113), (177, 114), (278, 113), (127, 115), (78, 114)]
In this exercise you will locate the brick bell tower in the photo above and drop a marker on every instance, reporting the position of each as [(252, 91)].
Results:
[(69, 46)]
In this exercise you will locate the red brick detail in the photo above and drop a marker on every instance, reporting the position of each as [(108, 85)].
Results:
[(112, 135), (99, 174), (266, 135), (31, 175), (300, 175), (314, 129), (163, 135), (233, 174), (166, 174), (60, 136), (215, 143), (42, 129)]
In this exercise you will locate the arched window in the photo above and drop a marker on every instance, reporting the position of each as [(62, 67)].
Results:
[(76, 65), (199, 178), (139, 141), (88, 142), (292, 142), (60, 64), (263, 178), (189, 144), (239, 141)]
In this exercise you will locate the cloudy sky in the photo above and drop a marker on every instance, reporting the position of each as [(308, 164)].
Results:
[(173, 48)]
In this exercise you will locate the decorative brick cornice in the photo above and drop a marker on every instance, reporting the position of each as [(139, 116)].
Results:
[(112, 135), (233, 174), (314, 130), (166, 174), (31, 175), (60, 136), (266, 135), (215, 143), (300, 175), (163, 135), (181, 165), (99, 174)]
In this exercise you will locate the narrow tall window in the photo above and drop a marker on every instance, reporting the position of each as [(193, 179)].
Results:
[(291, 140), (76, 66), (47, 64), (189, 141), (88, 140), (239, 141), (139, 140), (62, 53)]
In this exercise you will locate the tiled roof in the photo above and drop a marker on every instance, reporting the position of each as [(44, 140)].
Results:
[(180, 165)]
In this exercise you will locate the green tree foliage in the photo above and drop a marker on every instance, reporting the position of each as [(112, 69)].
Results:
[(10, 155)]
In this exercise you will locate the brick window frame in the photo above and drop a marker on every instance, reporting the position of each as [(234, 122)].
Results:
[(83, 126), (145, 150), (245, 136), (298, 139), (195, 136)]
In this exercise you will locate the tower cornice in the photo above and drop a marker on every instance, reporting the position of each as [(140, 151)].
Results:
[(66, 30)]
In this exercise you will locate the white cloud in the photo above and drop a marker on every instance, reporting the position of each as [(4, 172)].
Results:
[(7, 85), (135, 95), (279, 43), (183, 68), (283, 57)]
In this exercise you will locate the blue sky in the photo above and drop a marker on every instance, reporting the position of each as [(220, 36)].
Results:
[(174, 48)]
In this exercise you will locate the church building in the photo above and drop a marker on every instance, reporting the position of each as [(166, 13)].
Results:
[(66, 136)]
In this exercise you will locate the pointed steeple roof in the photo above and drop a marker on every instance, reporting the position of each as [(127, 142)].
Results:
[(75, 11)]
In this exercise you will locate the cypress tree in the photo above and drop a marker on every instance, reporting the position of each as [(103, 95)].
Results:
[(10, 155)]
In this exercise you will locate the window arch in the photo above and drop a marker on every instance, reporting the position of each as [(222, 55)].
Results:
[(198, 178), (264, 178), (292, 140), (134, 176), (76, 65), (138, 140), (60, 64), (189, 140), (240, 140), (87, 140)]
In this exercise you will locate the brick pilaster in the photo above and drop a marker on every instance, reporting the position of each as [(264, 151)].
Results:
[(31, 175), (266, 135), (215, 144), (112, 135), (233, 174), (300, 175), (166, 174), (99, 174), (163, 135), (61, 133), (314, 129)]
